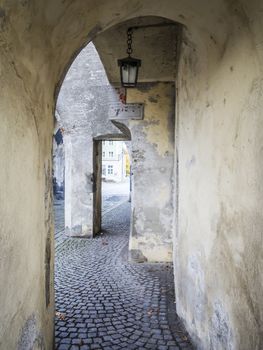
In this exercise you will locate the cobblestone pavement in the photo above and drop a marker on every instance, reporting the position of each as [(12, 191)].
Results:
[(113, 194), (59, 222), (110, 202), (104, 302)]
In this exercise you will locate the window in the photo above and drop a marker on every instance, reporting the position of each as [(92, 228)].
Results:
[(111, 154), (103, 142), (110, 142), (110, 169), (104, 170), (103, 154)]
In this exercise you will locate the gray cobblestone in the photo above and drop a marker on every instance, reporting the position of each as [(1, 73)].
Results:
[(104, 302)]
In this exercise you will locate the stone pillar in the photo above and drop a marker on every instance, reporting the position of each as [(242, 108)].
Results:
[(152, 169), (78, 184)]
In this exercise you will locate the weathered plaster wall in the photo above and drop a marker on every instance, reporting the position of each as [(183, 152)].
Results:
[(83, 113), (78, 184), (218, 253), (26, 231), (58, 162), (82, 110), (152, 154), (219, 146)]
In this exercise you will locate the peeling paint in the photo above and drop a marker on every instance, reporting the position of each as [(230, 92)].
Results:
[(156, 126), (152, 164)]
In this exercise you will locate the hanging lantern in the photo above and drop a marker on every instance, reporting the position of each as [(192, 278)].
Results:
[(129, 66)]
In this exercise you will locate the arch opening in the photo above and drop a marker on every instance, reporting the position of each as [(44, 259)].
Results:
[(218, 147), (100, 112)]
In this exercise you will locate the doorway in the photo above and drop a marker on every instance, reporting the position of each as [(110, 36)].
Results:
[(112, 182)]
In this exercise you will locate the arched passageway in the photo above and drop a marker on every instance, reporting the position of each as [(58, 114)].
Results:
[(218, 172), (89, 110), (104, 301)]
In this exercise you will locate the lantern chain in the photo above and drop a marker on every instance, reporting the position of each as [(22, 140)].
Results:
[(129, 41)]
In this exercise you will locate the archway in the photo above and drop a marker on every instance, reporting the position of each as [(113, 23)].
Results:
[(218, 130), (152, 134)]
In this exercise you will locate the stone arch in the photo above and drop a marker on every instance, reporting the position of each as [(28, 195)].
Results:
[(83, 112), (197, 25), (218, 126), (124, 136)]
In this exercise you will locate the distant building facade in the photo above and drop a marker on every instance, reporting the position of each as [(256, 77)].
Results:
[(114, 161)]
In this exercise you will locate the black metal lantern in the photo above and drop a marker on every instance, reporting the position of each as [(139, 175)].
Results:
[(129, 66)]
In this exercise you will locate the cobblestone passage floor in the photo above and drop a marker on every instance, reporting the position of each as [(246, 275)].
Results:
[(104, 302), (59, 222)]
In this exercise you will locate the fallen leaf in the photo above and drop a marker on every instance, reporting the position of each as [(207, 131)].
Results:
[(60, 315)]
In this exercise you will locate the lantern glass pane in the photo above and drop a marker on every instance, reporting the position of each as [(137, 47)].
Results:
[(129, 74), (132, 74), (125, 74)]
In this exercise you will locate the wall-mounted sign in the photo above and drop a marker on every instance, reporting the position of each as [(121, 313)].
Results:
[(126, 111)]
